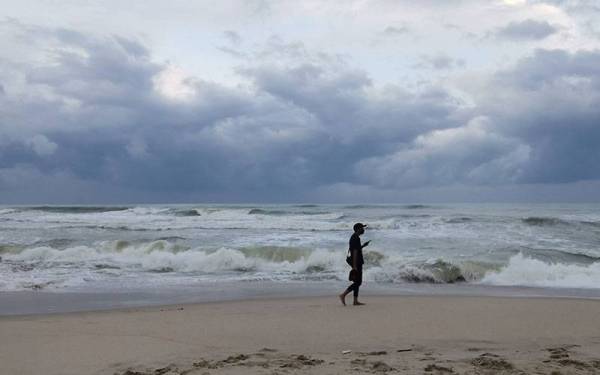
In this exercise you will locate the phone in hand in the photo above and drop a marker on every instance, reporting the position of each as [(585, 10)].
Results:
[(367, 243)]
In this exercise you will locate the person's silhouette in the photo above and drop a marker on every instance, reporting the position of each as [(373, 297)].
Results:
[(357, 261)]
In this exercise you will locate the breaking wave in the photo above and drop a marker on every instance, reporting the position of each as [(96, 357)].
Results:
[(120, 258), (168, 256), (52, 246), (525, 271), (434, 271)]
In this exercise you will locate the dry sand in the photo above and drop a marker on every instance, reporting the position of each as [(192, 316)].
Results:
[(420, 335)]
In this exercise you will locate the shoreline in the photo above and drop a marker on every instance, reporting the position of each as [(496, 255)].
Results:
[(25, 303), (311, 335)]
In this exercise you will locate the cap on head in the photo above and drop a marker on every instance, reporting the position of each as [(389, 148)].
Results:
[(358, 226)]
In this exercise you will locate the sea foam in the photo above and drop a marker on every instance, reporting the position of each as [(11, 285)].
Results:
[(524, 271)]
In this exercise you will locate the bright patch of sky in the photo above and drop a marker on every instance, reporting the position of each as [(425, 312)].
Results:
[(388, 39)]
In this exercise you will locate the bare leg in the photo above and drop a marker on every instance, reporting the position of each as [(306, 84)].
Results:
[(343, 298), (356, 303)]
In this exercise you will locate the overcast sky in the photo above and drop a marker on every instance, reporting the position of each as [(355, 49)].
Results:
[(299, 101)]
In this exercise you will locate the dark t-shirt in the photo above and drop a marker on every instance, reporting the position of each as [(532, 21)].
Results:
[(355, 245)]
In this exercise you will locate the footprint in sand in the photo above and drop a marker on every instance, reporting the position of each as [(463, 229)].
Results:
[(492, 362), (437, 369), (374, 366), (561, 356)]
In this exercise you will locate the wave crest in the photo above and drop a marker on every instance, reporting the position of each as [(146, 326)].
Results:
[(542, 221), (524, 271), (76, 209)]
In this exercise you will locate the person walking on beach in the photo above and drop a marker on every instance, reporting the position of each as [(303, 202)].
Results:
[(356, 261)]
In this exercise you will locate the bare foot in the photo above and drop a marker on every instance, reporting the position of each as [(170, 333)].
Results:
[(343, 299), (356, 303)]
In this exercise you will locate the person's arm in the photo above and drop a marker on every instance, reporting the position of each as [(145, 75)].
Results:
[(355, 259), (365, 244)]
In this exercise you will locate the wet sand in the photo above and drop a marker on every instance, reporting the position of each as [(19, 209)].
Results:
[(314, 335)]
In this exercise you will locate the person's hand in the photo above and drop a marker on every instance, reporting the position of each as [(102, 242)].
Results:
[(366, 243)]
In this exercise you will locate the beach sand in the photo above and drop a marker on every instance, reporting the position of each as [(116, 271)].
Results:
[(316, 335)]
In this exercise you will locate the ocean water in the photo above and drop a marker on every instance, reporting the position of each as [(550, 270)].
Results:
[(64, 249)]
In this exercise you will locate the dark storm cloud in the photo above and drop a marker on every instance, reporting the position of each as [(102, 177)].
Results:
[(535, 123), (551, 100), (526, 30), (301, 125), (100, 120)]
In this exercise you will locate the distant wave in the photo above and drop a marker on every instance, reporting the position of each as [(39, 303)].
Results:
[(553, 221), (75, 209), (559, 256), (591, 223), (192, 212), (416, 206), (324, 214), (406, 206), (543, 221), (458, 220), (57, 243), (260, 211), (110, 227), (358, 206)]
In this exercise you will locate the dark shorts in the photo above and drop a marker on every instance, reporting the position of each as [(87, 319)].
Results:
[(355, 276)]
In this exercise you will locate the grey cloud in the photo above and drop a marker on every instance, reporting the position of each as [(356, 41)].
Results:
[(234, 42), (279, 48), (584, 12), (573, 5), (551, 100), (301, 125), (232, 52), (451, 26), (42, 145), (395, 30), (547, 68), (93, 120), (233, 37), (534, 123), (439, 62), (526, 30), (473, 153)]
